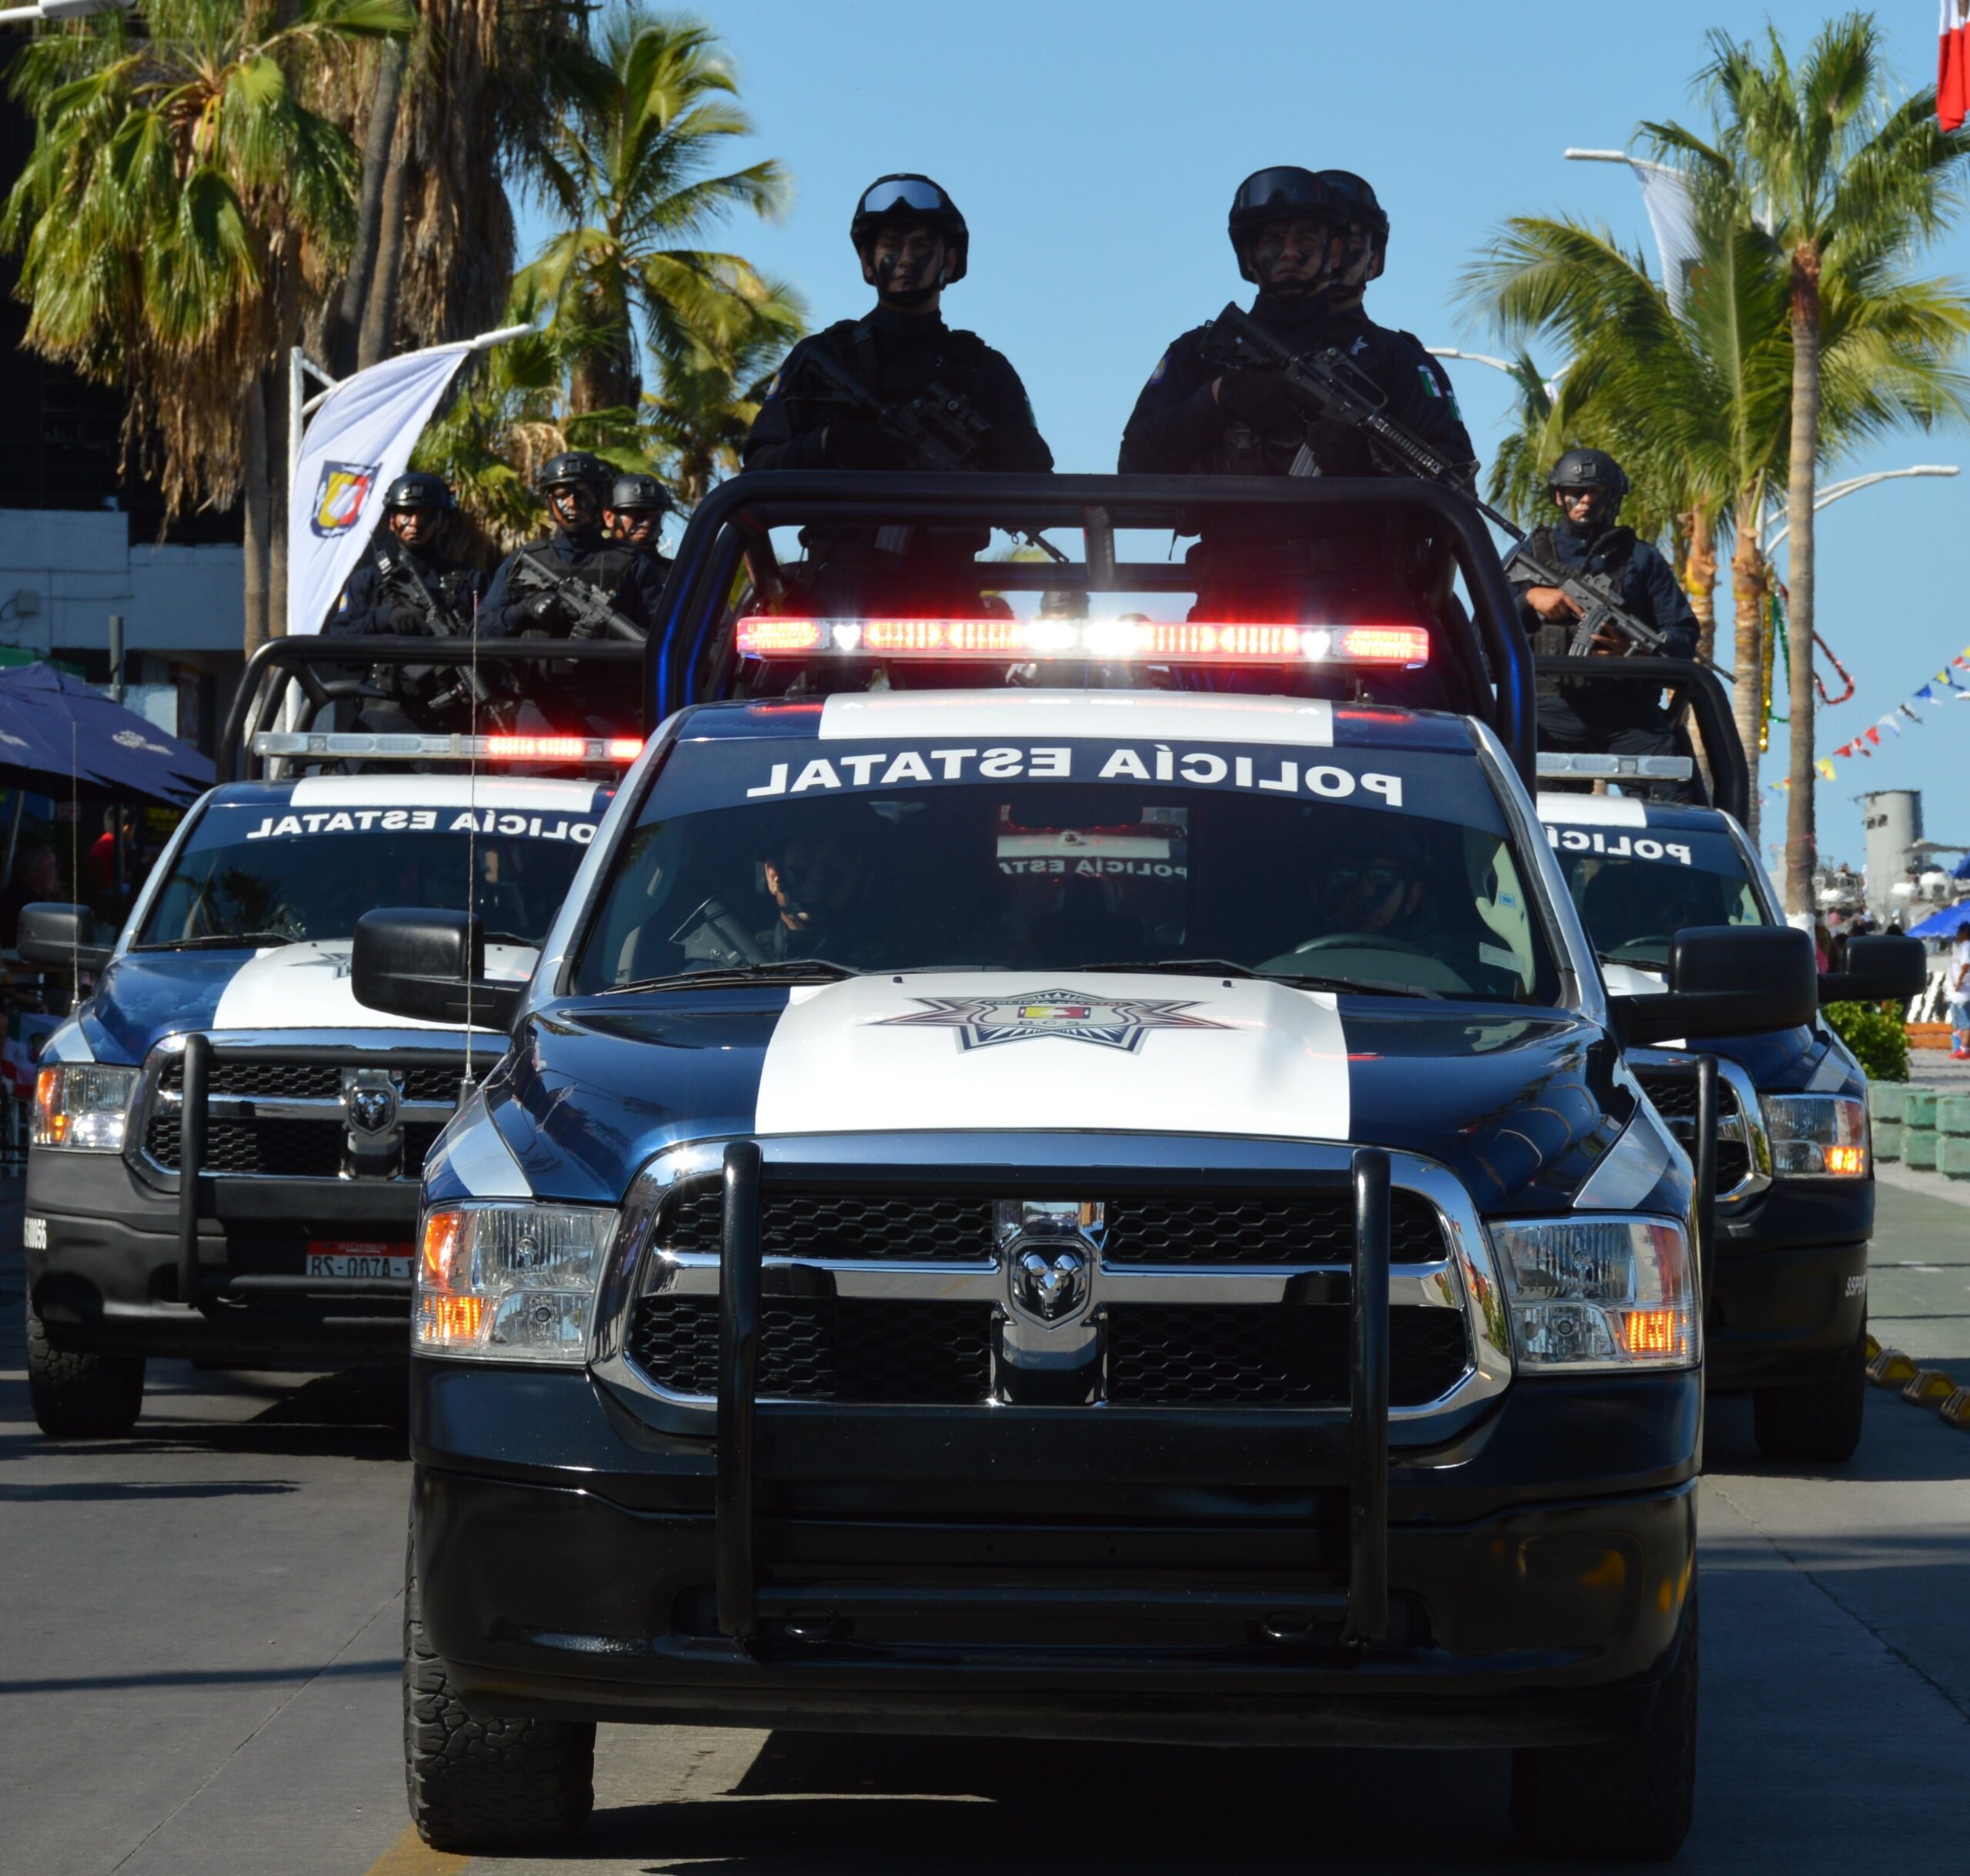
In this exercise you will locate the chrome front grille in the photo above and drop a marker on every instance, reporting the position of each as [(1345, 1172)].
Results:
[(1743, 1158), (936, 1290), (275, 1115)]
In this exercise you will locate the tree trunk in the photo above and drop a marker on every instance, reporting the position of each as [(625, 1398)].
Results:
[(379, 315), (377, 138), (256, 504), (1801, 486), (1699, 576), (1748, 585)]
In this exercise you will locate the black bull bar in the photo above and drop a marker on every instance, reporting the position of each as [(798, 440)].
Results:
[(1349, 1444)]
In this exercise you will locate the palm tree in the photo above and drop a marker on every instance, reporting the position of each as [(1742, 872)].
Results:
[(180, 201), (1697, 397), (710, 392), (626, 170), (1844, 188)]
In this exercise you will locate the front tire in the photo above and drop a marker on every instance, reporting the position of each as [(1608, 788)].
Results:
[(1817, 1424), (1629, 1802), (79, 1395), (478, 1785)]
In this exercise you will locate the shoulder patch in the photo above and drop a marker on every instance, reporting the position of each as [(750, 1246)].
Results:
[(1162, 367)]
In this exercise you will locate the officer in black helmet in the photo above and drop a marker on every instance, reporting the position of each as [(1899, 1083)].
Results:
[(634, 517), (576, 487), (1577, 715), (407, 586), (1290, 231), (1364, 246), (912, 243)]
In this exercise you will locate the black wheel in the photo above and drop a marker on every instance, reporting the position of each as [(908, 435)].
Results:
[(479, 1785), (81, 1397), (1627, 1803), (1819, 1424)]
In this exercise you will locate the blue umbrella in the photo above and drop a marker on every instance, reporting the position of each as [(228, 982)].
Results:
[(49, 722), (1941, 924)]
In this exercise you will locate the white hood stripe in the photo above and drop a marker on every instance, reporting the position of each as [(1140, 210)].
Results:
[(1110, 715), (881, 1054)]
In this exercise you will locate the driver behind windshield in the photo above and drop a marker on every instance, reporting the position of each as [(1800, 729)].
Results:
[(1379, 887)]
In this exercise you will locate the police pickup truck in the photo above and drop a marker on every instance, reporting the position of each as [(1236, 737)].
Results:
[(226, 1146), (1066, 1171), (1787, 1308)]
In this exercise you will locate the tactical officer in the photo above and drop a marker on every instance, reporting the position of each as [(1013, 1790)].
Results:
[(634, 517), (1577, 715), (1198, 414), (912, 243), (1364, 246), (406, 586), (557, 587)]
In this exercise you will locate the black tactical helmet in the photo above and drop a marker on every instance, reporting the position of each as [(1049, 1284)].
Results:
[(633, 494), (418, 490), (1589, 468), (575, 465), (1286, 194), (1358, 201), (907, 197)]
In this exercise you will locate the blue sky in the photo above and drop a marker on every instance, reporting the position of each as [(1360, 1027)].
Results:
[(1094, 147)]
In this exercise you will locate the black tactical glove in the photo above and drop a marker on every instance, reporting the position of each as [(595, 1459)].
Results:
[(541, 609), (405, 619), (585, 628), (861, 446), (1254, 397)]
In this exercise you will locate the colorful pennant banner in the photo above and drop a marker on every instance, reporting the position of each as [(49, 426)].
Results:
[(1942, 689)]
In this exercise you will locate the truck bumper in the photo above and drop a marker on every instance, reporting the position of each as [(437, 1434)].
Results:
[(1791, 1285), (101, 1251), (566, 1554)]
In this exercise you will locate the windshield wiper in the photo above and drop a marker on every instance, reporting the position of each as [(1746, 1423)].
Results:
[(1370, 986), (1189, 966), (218, 941), (780, 970)]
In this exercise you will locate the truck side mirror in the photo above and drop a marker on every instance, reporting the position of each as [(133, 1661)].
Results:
[(1728, 980), (60, 937), (1879, 967), (428, 966)]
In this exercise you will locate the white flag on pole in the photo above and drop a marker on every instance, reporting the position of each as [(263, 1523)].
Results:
[(1665, 194), (356, 444)]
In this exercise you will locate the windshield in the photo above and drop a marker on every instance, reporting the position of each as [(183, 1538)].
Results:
[(256, 874), (1379, 869), (1636, 890)]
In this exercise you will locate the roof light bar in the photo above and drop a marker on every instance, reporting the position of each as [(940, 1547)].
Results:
[(357, 744), (1121, 640), (1616, 768)]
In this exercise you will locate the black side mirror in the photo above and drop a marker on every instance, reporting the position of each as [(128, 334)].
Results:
[(1728, 980), (409, 961), (1878, 967), (60, 937)]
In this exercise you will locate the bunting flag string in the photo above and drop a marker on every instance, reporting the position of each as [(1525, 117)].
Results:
[(1946, 687)]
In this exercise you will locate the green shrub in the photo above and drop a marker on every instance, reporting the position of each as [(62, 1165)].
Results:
[(1875, 1032)]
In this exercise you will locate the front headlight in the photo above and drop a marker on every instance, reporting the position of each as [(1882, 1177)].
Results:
[(1598, 1294), (82, 1106), (509, 1283), (1817, 1136)]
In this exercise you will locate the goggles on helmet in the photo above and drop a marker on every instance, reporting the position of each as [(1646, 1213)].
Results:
[(904, 192)]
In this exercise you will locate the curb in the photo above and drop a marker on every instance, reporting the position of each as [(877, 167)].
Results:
[(1928, 1387)]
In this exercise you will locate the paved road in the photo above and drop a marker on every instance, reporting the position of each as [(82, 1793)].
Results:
[(198, 1672)]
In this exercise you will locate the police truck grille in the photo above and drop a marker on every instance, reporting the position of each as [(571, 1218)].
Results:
[(1317, 1230), (278, 1149), (267, 1081), (1673, 1094), (839, 1227)]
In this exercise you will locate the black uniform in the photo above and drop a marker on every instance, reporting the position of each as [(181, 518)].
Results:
[(806, 423), (632, 582), (1576, 715), (395, 592)]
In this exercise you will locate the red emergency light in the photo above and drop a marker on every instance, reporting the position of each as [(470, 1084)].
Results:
[(1121, 640), (511, 748)]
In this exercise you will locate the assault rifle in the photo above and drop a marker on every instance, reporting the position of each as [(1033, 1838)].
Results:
[(586, 605), (1331, 385), (940, 429), (442, 623)]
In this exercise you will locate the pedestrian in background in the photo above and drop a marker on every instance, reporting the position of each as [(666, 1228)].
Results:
[(1956, 977)]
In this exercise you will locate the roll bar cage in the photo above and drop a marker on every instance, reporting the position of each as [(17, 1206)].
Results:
[(731, 527)]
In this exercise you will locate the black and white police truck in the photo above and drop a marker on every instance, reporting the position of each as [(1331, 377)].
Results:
[(1068, 1171), (1786, 1310), (226, 1146)]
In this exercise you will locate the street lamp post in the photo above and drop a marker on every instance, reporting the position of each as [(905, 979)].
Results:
[(54, 11), (1836, 490)]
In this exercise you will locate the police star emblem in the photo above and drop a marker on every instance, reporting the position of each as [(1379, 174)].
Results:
[(1069, 1016)]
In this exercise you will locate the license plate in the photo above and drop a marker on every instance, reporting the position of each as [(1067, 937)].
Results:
[(336, 1258)]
